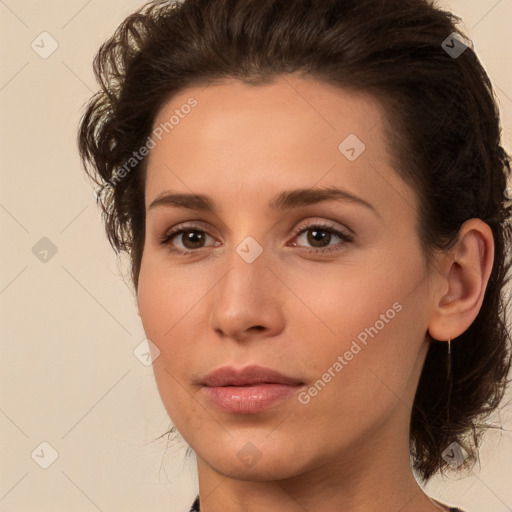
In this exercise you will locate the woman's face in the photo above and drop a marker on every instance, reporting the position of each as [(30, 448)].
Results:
[(343, 316)]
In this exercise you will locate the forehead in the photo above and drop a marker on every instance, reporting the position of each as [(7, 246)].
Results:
[(299, 103), (293, 132)]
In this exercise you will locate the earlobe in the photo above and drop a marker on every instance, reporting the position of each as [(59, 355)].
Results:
[(463, 281)]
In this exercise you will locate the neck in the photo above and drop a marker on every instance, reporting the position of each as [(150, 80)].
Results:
[(375, 475)]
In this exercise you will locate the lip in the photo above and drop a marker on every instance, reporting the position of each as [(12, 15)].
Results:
[(247, 376), (248, 390)]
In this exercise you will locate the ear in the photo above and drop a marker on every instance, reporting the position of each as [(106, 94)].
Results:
[(462, 278), (137, 307)]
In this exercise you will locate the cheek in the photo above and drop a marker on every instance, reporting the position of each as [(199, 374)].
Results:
[(340, 302), (170, 308), (168, 297), (358, 377), (367, 316)]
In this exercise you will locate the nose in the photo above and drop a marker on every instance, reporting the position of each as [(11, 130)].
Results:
[(247, 301)]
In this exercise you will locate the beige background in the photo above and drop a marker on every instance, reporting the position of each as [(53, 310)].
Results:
[(68, 374)]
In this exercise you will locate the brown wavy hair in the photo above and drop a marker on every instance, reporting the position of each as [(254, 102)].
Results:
[(442, 124)]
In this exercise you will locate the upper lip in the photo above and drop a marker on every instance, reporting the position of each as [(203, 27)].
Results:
[(253, 374)]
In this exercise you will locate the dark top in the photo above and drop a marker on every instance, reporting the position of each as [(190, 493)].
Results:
[(195, 506)]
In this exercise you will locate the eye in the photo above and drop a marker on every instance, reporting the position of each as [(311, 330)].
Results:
[(193, 238), (321, 235)]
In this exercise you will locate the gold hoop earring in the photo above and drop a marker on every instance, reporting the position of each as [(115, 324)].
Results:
[(449, 347)]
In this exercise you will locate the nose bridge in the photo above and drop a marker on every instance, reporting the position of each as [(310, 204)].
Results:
[(244, 297), (246, 251), (246, 264)]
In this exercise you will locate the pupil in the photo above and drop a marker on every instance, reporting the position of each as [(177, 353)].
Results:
[(312, 240), (191, 235)]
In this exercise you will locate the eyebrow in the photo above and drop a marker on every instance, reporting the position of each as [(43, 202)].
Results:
[(285, 200)]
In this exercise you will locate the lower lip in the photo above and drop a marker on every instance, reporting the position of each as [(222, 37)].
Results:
[(249, 399)]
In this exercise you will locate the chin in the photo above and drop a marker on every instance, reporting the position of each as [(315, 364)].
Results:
[(243, 460), (261, 472)]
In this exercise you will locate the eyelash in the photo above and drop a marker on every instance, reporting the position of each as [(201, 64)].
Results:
[(167, 237)]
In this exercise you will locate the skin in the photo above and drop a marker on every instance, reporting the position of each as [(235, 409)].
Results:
[(291, 309)]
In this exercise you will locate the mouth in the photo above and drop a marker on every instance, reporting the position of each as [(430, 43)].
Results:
[(248, 390)]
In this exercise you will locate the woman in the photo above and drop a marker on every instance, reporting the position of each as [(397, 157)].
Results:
[(313, 198)]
